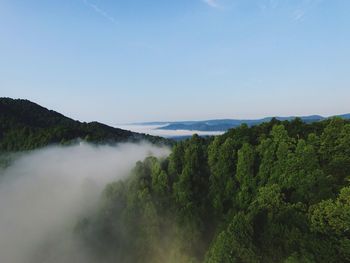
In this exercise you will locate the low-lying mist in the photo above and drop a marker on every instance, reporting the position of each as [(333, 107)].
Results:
[(44, 193)]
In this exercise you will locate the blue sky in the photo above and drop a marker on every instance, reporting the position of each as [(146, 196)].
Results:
[(126, 61)]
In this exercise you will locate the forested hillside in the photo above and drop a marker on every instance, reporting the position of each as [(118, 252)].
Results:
[(277, 192), (25, 125)]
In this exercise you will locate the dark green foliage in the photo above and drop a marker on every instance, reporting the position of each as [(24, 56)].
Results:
[(25, 125), (277, 192), (222, 184), (330, 222)]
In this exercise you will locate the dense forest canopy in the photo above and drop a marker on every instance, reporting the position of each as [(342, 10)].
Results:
[(25, 125), (276, 192)]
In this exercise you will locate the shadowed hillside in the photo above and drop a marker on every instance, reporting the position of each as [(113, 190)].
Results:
[(25, 125)]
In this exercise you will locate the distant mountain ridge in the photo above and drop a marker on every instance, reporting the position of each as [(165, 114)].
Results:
[(225, 124), (25, 125)]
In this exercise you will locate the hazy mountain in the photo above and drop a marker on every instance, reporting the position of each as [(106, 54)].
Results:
[(26, 125), (225, 124), (345, 116)]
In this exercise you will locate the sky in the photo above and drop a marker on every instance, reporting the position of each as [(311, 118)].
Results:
[(128, 61)]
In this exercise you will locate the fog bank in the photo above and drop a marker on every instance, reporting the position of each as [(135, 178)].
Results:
[(43, 193), (155, 131)]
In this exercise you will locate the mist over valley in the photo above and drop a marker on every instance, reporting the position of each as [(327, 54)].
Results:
[(187, 131)]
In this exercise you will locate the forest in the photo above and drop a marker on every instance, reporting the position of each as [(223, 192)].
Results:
[(276, 192)]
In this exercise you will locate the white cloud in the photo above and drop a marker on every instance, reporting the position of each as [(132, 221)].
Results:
[(298, 9), (299, 14), (100, 11), (305, 7), (212, 3)]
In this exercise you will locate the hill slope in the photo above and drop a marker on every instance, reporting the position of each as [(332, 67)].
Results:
[(276, 192), (25, 125)]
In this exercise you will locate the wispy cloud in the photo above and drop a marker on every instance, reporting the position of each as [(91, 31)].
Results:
[(212, 3), (305, 6), (100, 11), (268, 5), (299, 14), (298, 9)]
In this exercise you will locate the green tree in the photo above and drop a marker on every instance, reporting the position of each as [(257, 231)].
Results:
[(222, 162), (246, 175), (330, 221)]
